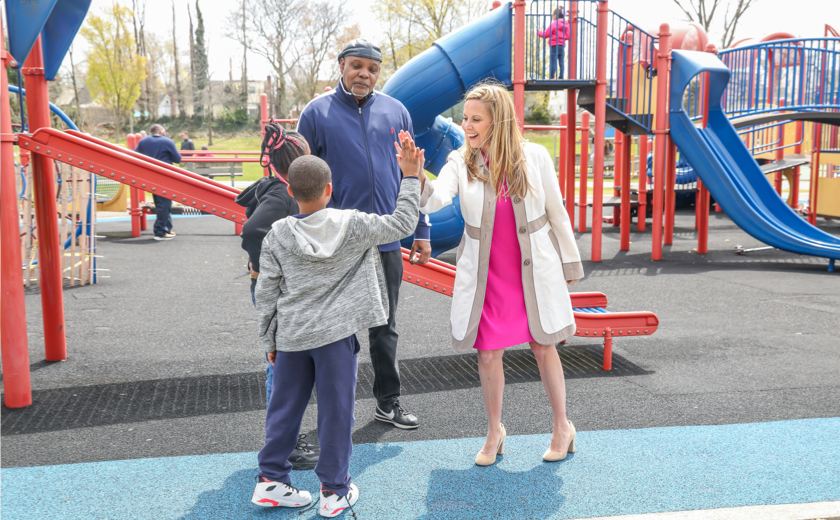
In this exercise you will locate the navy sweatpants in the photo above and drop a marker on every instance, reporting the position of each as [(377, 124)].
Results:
[(332, 368)]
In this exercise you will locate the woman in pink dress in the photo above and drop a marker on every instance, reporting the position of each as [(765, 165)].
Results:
[(516, 258)]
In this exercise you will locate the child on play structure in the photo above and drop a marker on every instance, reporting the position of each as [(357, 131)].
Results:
[(267, 201), (321, 278)]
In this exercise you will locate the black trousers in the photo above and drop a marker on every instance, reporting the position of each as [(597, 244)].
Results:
[(383, 339), (163, 220)]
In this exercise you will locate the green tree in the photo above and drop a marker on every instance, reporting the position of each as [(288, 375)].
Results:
[(115, 71), (202, 69)]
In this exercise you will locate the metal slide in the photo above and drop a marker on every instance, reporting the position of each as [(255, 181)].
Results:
[(726, 167)]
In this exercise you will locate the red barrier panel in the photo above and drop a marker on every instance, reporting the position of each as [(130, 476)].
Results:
[(440, 277)]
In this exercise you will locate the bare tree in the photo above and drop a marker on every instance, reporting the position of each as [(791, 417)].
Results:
[(237, 29), (79, 118), (271, 29), (319, 27), (703, 12)]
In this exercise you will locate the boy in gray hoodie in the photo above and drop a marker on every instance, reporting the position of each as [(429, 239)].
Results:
[(321, 279)]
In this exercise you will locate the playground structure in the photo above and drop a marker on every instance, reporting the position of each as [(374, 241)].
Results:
[(618, 68)]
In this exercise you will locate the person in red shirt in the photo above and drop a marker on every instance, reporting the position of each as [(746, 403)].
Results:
[(558, 34)]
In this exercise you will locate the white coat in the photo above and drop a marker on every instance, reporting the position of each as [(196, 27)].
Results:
[(547, 246)]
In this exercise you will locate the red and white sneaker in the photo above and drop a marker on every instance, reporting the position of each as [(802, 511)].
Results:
[(333, 505), (279, 494)]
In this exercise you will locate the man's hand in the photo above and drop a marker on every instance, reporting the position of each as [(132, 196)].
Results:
[(423, 248), (571, 282), (254, 274), (271, 357), (410, 158)]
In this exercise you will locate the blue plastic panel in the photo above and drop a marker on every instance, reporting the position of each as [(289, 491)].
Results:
[(59, 31), (25, 19)]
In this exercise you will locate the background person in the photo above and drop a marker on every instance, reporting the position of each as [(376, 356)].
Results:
[(352, 128), (517, 255), (158, 146), (187, 143), (558, 34)]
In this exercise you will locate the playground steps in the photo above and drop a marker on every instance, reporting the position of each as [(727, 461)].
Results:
[(591, 314), (616, 112)]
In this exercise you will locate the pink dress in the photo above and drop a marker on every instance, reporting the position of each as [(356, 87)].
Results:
[(504, 320)]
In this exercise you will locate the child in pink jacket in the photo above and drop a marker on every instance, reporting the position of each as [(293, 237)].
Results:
[(558, 34)]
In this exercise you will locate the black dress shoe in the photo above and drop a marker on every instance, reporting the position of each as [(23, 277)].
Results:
[(396, 415)]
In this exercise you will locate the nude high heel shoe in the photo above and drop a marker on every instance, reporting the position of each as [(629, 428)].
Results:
[(554, 456), (487, 460)]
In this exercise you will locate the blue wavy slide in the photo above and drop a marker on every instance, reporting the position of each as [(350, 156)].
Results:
[(437, 79), (726, 167)]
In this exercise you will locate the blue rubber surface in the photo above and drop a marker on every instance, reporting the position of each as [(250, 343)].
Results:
[(612, 473), (728, 169)]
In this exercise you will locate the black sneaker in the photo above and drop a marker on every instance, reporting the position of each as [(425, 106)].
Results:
[(305, 455), (396, 415)]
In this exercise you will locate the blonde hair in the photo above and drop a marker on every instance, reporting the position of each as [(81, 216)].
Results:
[(507, 159)]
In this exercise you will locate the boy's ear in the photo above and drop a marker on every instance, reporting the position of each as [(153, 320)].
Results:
[(328, 190), (289, 189)]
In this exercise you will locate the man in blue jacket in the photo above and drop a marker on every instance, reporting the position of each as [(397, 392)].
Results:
[(158, 146), (353, 128)]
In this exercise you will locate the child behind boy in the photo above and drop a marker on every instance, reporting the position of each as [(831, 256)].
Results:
[(321, 278), (267, 201)]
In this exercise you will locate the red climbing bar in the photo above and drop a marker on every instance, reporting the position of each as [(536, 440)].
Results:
[(571, 119), (643, 153), (134, 209), (626, 160), (561, 153), (14, 344), (600, 122), (584, 171), (661, 136), (46, 209), (670, 192)]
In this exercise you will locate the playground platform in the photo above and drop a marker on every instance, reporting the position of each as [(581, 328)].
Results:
[(731, 410)]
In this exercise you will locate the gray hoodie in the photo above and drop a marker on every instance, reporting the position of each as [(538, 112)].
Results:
[(321, 278)]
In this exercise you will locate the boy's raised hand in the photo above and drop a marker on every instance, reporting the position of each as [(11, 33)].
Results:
[(410, 158)]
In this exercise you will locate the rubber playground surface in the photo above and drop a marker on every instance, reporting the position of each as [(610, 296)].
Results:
[(731, 410)]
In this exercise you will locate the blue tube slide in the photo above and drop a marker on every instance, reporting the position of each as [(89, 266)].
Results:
[(726, 167), (438, 79), (57, 111)]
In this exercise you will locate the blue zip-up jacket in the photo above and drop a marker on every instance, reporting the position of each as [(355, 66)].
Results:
[(159, 147), (357, 142)]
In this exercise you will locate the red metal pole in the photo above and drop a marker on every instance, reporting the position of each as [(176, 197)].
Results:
[(780, 154), (263, 121), (571, 125), (519, 61), (618, 174), (701, 206), (134, 209), (815, 174), (584, 171), (794, 190), (670, 192), (561, 153), (661, 134), (44, 190), (141, 195), (624, 231), (14, 344), (643, 153), (600, 123)]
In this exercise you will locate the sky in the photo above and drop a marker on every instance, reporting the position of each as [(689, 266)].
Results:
[(768, 16)]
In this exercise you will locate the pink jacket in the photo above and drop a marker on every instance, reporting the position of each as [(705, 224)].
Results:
[(558, 30)]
